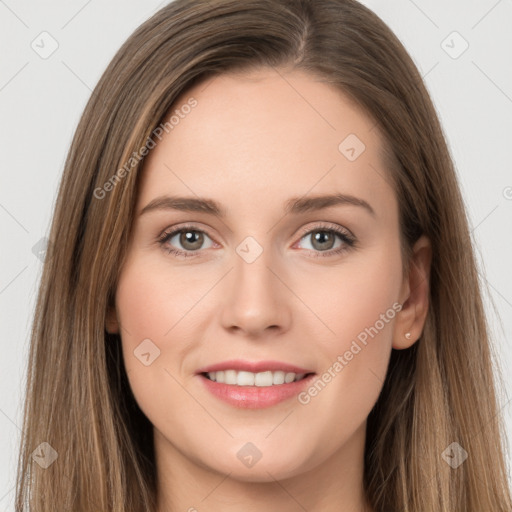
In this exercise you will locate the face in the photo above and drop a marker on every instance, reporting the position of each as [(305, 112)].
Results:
[(269, 280)]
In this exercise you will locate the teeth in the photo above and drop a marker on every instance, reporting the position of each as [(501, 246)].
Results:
[(262, 379)]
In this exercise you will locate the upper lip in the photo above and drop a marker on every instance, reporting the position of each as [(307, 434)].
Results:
[(253, 366)]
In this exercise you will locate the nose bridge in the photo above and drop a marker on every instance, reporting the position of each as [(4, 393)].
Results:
[(254, 282), (255, 297)]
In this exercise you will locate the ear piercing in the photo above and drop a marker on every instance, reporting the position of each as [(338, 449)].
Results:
[(408, 335)]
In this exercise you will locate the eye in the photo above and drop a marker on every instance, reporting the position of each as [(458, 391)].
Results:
[(323, 239), (189, 238)]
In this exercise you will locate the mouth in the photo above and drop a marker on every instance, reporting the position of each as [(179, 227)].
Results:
[(255, 385), (243, 378)]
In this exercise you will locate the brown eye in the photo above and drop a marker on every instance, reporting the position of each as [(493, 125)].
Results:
[(328, 241), (191, 240), (322, 240), (185, 241)]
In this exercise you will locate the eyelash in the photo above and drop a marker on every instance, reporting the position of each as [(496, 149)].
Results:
[(348, 240)]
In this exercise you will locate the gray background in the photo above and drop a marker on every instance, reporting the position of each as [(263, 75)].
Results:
[(41, 100)]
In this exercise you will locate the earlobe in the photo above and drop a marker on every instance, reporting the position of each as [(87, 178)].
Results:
[(411, 319), (111, 323)]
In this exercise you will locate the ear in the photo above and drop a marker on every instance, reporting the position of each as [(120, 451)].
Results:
[(111, 322), (414, 296)]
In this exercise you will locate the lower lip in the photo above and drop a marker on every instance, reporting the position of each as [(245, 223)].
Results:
[(255, 397)]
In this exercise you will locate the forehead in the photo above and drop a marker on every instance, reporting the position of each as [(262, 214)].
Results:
[(264, 134)]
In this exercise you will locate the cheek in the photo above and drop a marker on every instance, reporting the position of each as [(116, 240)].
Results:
[(358, 293), (147, 311), (151, 302), (361, 310), (138, 305), (369, 295)]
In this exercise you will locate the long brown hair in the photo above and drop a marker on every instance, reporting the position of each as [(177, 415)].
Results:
[(78, 399)]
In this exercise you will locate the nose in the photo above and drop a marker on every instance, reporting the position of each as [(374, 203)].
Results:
[(256, 299)]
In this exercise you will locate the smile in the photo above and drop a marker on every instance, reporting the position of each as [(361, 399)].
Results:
[(261, 379), (255, 390)]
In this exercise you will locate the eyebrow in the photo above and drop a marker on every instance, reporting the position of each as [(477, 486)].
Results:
[(294, 205)]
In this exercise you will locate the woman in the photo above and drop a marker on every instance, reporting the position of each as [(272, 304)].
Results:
[(195, 362)]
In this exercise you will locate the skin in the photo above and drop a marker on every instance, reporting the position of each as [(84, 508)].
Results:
[(253, 141)]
